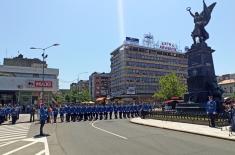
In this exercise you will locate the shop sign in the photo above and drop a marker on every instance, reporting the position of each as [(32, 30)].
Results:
[(47, 84)]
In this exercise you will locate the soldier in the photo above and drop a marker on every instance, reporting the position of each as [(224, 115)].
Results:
[(101, 110), (120, 109), (62, 111), (14, 114), (32, 113), (115, 109), (105, 112), (43, 118), (55, 110), (110, 110), (2, 114)]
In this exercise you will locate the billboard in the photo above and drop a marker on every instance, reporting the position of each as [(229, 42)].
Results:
[(130, 40), (168, 46)]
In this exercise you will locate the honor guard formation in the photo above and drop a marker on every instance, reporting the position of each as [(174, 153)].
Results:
[(8, 112), (86, 112)]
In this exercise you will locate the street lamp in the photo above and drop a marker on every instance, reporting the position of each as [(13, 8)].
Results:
[(78, 79), (43, 67)]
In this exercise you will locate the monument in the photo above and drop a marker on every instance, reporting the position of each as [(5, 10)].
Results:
[(201, 74)]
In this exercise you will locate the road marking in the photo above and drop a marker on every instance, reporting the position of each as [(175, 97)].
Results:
[(40, 153), (19, 148), (43, 140), (9, 136), (14, 138), (92, 124), (9, 143)]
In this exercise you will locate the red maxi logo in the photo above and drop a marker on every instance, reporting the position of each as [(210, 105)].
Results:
[(47, 84)]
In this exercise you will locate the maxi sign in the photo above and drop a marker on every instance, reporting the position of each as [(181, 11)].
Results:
[(47, 84), (168, 46)]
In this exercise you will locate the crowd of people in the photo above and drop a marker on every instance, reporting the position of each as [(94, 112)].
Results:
[(8, 112)]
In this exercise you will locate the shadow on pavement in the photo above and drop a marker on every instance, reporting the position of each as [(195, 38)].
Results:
[(40, 136)]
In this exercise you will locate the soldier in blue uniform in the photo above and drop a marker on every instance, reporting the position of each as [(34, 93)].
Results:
[(115, 109), (14, 114), (32, 113), (2, 115), (211, 111), (101, 110), (43, 118), (55, 112), (62, 111), (120, 109)]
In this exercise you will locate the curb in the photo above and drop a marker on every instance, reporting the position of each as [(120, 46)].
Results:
[(184, 131)]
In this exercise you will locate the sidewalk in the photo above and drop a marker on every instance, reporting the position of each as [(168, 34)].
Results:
[(185, 127)]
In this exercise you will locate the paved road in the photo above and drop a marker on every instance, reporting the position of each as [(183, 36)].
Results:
[(14, 139), (120, 137)]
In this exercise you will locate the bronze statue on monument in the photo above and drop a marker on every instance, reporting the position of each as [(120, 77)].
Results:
[(200, 21)]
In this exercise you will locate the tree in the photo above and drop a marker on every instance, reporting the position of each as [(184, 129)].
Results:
[(170, 85)]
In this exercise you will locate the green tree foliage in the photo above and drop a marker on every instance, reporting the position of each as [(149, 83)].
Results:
[(74, 96), (170, 85)]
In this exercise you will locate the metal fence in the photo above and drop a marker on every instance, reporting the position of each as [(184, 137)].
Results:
[(188, 117)]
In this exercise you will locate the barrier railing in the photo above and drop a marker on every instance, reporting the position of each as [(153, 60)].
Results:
[(188, 117)]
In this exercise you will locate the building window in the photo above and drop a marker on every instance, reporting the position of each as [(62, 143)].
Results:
[(36, 75)]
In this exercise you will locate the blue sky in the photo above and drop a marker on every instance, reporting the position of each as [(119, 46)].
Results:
[(89, 30)]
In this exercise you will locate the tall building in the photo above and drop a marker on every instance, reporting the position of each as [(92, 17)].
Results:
[(136, 69), (82, 85), (21, 81), (99, 85)]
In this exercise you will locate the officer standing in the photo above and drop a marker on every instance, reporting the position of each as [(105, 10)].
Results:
[(32, 113), (211, 111), (14, 114), (43, 118)]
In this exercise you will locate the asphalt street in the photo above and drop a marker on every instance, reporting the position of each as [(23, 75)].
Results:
[(120, 137)]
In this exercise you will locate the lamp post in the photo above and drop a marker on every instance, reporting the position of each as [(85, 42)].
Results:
[(78, 79), (43, 66)]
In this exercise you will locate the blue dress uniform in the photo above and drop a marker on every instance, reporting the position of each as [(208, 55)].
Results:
[(115, 109), (211, 112), (2, 115), (105, 112), (72, 111), (62, 111), (14, 115), (101, 110), (96, 112), (43, 118), (56, 111), (110, 110), (89, 113), (120, 110), (132, 110)]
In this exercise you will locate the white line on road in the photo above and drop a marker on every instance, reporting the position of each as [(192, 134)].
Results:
[(13, 138), (19, 148), (8, 143), (108, 131), (40, 153)]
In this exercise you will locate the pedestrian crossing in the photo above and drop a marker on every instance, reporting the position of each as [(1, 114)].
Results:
[(10, 133)]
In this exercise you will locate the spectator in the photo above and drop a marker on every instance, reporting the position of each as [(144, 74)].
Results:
[(211, 111)]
